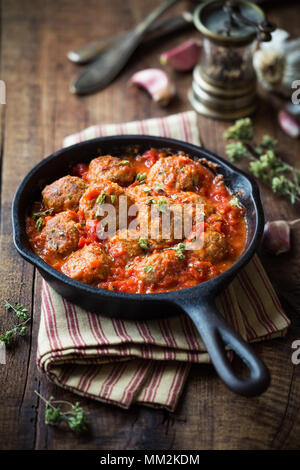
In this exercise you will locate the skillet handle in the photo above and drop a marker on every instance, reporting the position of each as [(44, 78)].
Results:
[(216, 334)]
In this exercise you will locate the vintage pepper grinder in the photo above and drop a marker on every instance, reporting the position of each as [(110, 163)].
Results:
[(224, 82)]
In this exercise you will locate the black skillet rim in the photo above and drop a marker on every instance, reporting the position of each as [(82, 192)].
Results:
[(208, 286)]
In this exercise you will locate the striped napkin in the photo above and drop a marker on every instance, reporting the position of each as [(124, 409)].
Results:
[(146, 362)]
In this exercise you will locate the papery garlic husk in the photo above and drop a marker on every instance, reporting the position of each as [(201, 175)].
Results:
[(157, 83), (183, 57), (277, 63), (276, 237), (288, 124)]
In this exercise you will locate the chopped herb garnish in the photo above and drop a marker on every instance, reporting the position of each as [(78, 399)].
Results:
[(39, 223), (141, 177), (143, 243), (123, 162), (148, 269), (128, 264), (161, 205), (179, 250), (101, 198), (70, 196), (234, 202), (55, 246), (36, 215), (146, 189), (112, 198)]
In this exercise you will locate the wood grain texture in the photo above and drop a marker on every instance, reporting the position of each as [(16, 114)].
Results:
[(39, 112)]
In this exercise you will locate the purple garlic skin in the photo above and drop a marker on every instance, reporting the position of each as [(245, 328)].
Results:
[(288, 124), (183, 57), (157, 83), (276, 237)]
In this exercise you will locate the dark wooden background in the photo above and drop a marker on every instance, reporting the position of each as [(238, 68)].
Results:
[(40, 111)]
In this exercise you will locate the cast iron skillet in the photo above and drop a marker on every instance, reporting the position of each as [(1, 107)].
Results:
[(198, 302)]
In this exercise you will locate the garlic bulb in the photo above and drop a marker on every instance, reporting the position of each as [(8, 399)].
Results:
[(277, 63)]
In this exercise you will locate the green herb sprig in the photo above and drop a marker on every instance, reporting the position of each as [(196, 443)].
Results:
[(74, 417), (264, 162), (20, 329)]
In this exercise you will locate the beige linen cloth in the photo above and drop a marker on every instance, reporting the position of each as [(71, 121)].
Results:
[(146, 362)]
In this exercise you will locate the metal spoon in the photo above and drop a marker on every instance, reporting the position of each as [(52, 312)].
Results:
[(91, 50), (105, 69)]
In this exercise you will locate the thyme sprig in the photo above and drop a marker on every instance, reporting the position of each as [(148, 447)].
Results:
[(20, 329), (264, 162), (75, 417)]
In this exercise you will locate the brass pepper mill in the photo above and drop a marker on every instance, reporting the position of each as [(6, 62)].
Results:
[(224, 82)]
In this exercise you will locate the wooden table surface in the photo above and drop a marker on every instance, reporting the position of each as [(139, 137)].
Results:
[(40, 111)]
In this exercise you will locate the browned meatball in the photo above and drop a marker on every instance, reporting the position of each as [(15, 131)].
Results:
[(157, 266), (214, 246), (175, 173), (195, 200), (112, 169), (139, 192), (96, 200), (89, 265), (125, 245), (162, 220), (64, 193), (61, 234)]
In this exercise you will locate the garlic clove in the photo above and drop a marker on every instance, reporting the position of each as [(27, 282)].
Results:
[(276, 238), (183, 57), (288, 124), (157, 83)]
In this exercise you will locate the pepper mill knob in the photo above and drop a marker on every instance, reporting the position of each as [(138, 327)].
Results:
[(263, 29)]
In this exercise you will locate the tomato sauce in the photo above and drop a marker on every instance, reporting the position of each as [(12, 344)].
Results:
[(64, 227)]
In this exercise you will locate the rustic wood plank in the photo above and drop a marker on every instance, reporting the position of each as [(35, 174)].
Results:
[(21, 146), (40, 111)]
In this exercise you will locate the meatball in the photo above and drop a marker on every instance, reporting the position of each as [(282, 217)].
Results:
[(158, 267), (64, 194), (125, 245), (214, 246), (139, 193), (111, 169), (196, 200), (90, 264), (94, 205), (161, 219), (175, 173), (61, 234)]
